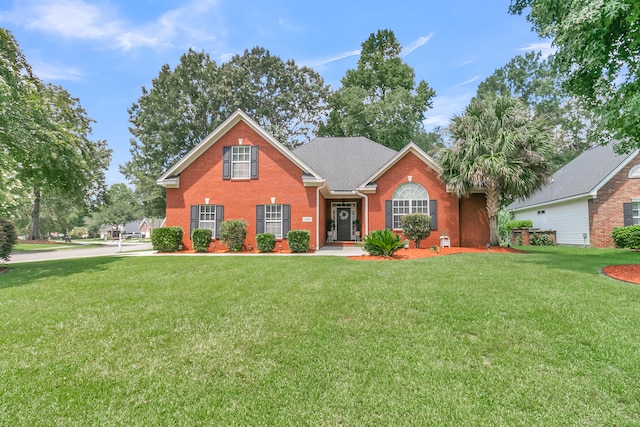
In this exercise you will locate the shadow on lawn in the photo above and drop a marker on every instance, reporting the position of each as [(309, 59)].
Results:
[(583, 260), (27, 273)]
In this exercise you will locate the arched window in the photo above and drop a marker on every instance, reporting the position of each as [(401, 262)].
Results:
[(634, 172), (409, 197)]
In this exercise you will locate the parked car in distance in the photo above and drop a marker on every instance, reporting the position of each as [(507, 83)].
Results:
[(131, 235)]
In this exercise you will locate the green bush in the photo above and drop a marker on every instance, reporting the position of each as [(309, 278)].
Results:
[(540, 239), (201, 238), (383, 242), (416, 226), (627, 237), (299, 240), (518, 223), (166, 239), (233, 233), (8, 238), (266, 242)]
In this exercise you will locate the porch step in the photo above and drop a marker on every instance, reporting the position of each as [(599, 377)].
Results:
[(341, 243)]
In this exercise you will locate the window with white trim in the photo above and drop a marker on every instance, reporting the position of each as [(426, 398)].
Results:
[(207, 218), (635, 209), (273, 220), (241, 161), (408, 198)]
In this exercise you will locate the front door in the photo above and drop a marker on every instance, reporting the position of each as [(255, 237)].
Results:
[(344, 223)]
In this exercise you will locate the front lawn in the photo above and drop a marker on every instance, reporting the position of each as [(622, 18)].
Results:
[(25, 246), (535, 339)]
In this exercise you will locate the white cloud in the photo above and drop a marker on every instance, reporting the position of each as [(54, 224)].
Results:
[(81, 20), (545, 48), (444, 107), (49, 71), (466, 82), (325, 61), (416, 44)]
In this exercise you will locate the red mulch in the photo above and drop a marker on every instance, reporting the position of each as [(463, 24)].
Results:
[(404, 254), (627, 272)]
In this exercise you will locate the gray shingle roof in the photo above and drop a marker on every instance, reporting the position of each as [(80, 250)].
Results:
[(344, 162), (579, 177)]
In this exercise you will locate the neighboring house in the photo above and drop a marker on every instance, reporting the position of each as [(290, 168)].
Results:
[(240, 171), (585, 199), (149, 224)]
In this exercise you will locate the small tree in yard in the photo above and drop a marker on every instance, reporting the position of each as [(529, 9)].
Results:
[(233, 232), (416, 227), (8, 238)]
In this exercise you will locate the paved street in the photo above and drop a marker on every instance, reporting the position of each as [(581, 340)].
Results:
[(108, 248)]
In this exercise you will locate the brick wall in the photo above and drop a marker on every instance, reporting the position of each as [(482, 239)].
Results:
[(605, 212), (410, 164), (277, 177), (474, 221)]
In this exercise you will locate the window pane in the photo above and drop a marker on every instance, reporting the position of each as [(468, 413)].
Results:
[(208, 218), (240, 159), (273, 220)]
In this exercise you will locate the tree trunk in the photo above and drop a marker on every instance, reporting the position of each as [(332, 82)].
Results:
[(493, 207), (34, 232)]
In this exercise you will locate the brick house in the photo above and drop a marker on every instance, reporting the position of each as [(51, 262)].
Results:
[(584, 200), (337, 188)]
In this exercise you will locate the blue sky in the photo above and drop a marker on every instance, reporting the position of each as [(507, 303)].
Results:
[(104, 51)]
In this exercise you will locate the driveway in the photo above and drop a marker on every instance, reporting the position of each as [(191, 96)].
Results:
[(109, 248)]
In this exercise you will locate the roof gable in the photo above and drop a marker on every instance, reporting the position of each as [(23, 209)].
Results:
[(170, 178), (582, 177), (409, 148)]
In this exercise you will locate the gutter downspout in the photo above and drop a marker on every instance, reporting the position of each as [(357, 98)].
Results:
[(366, 212), (318, 214)]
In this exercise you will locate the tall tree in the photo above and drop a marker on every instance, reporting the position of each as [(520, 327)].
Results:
[(44, 133), (597, 49), (379, 99), (500, 147), (185, 104), (120, 206), (538, 84), (287, 100)]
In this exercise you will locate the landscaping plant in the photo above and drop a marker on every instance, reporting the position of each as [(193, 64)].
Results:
[(266, 242), (299, 240), (383, 242), (233, 233), (166, 239), (8, 238), (416, 226), (627, 237), (201, 239)]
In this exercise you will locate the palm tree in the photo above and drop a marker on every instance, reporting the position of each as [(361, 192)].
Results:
[(497, 147)]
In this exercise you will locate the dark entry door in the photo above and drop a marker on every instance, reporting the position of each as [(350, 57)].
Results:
[(344, 223)]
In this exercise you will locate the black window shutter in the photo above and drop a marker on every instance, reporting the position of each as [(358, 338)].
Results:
[(286, 220), (388, 214), (254, 162), (628, 214), (433, 212), (226, 162), (259, 219), (194, 219), (219, 218)]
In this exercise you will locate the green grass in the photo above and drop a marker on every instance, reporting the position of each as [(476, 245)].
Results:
[(536, 339), (46, 247)]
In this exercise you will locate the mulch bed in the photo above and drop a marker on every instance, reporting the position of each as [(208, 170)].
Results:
[(626, 272), (405, 254)]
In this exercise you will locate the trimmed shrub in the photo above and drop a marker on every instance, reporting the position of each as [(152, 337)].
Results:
[(539, 239), (266, 242), (201, 238), (627, 237), (8, 238), (166, 239), (383, 242), (233, 232), (299, 240), (518, 223), (416, 226)]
